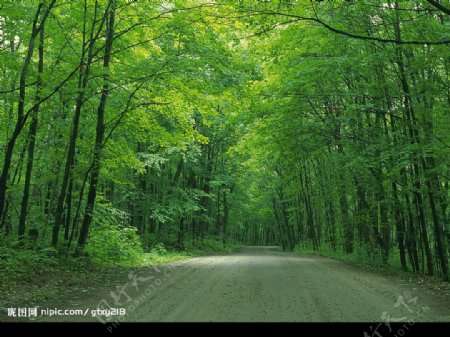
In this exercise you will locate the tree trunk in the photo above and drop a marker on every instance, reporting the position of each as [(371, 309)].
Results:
[(82, 84), (100, 131), (32, 137), (21, 117)]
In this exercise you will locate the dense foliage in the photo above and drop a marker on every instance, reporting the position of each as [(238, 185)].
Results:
[(131, 125)]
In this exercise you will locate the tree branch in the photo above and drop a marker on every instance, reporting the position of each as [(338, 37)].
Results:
[(439, 6), (352, 35), (54, 91)]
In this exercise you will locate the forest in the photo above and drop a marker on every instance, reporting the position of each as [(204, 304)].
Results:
[(150, 128)]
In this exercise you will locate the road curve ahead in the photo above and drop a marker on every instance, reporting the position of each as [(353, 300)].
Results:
[(260, 284)]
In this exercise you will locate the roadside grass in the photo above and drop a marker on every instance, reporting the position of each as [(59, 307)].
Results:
[(359, 257), (373, 263), (29, 276)]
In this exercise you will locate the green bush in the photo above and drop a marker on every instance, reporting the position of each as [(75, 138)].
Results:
[(158, 249), (211, 244), (18, 265), (114, 245)]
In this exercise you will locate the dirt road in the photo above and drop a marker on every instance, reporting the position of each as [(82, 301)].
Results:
[(262, 284)]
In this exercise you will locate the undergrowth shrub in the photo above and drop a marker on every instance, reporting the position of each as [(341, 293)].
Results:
[(111, 244)]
